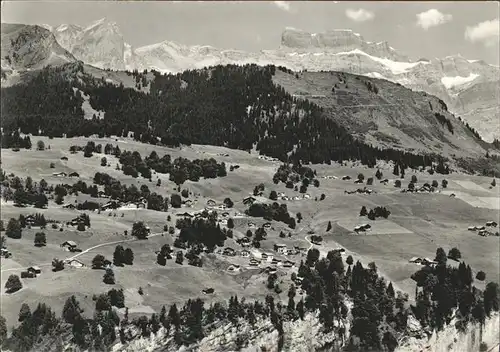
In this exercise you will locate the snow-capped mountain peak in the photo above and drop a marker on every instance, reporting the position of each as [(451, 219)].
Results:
[(100, 44)]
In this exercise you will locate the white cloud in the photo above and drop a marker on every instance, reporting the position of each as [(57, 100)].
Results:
[(432, 18), (487, 32), (359, 15), (284, 5)]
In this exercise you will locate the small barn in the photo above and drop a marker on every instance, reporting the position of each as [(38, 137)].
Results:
[(34, 270), (346, 178), (64, 158), (280, 248), (142, 203), (211, 203), (288, 264), (249, 200), (30, 220), (229, 251), (245, 253), (427, 261), (208, 291), (69, 245), (254, 262), (5, 253), (245, 241), (233, 268), (111, 205), (416, 260), (74, 174)]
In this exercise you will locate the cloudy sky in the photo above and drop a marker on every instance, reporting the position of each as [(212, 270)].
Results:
[(418, 29)]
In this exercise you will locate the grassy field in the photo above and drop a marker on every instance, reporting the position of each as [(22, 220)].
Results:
[(418, 224)]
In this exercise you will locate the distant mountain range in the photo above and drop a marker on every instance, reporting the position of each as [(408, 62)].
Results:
[(470, 88)]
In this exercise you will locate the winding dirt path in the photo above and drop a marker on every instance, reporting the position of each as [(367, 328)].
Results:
[(89, 250)]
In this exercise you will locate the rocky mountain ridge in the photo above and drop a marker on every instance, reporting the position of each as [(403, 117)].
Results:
[(27, 47), (469, 87)]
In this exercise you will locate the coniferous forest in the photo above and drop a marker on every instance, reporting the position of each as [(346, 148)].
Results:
[(234, 106), (379, 313)]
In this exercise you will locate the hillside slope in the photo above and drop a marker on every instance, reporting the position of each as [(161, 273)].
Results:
[(385, 114)]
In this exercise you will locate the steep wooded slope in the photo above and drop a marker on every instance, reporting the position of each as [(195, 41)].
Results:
[(385, 114)]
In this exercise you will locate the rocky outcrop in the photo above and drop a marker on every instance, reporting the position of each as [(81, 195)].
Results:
[(100, 44), (335, 41), (452, 340), (26, 47), (307, 335)]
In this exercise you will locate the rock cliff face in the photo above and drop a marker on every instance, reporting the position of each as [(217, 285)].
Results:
[(27, 47), (335, 41), (452, 340), (100, 44), (307, 336)]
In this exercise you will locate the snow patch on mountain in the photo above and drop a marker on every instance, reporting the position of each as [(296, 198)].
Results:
[(394, 66), (375, 75), (451, 82)]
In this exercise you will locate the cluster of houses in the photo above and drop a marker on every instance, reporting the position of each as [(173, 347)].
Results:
[(267, 158), (212, 204), (330, 177), (485, 230), (254, 262), (64, 174), (360, 191), (283, 196), (264, 257), (423, 261), (426, 188), (221, 217), (362, 228), (74, 263)]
